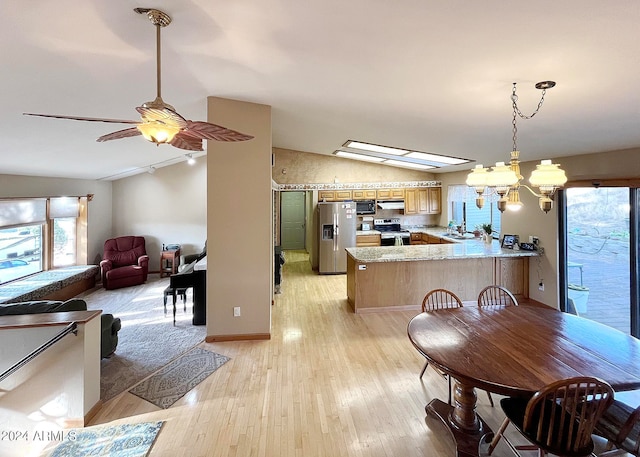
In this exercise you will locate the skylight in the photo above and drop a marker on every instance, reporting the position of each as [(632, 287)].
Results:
[(386, 155)]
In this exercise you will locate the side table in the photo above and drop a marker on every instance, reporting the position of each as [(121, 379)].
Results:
[(169, 262)]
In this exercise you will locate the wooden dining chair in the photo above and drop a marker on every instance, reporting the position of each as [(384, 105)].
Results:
[(560, 418), (620, 426), (496, 296), (442, 299), (434, 300)]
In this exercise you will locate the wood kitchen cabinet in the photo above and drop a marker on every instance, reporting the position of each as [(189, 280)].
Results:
[(425, 238), (368, 240), (334, 195), (422, 200), (431, 239), (416, 238), (513, 273), (390, 194), (434, 200), (364, 194)]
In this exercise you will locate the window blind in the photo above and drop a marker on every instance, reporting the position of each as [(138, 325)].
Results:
[(19, 212)]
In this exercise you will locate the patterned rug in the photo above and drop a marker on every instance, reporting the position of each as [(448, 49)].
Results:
[(178, 377), (126, 440), (148, 339)]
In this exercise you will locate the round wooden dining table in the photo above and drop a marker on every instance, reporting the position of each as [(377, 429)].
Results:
[(515, 351)]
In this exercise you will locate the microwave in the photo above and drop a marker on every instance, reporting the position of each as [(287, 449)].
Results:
[(366, 207)]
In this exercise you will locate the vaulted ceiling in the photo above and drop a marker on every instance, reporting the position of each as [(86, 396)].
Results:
[(424, 75)]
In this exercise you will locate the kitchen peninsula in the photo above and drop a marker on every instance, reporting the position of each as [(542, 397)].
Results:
[(397, 277)]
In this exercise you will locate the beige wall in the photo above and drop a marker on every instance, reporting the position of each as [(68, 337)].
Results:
[(166, 207), (296, 167), (532, 221), (240, 248), (100, 221)]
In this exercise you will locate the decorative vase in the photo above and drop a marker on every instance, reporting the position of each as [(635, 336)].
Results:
[(488, 238)]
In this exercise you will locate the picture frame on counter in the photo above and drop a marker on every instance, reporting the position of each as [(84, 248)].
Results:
[(509, 241)]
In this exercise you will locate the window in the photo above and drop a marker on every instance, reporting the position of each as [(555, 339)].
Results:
[(599, 270), (463, 208), (64, 242), (40, 234), (20, 252)]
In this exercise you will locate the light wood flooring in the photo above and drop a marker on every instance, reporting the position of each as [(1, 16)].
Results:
[(328, 383)]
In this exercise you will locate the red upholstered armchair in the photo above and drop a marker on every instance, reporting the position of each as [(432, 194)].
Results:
[(125, 262)]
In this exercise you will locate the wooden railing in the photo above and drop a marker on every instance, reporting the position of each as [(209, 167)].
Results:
[(71, 328)]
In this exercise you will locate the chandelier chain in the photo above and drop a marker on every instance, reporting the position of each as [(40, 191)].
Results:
[(517, 112)]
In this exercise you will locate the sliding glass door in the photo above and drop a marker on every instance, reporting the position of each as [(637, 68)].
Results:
[(599, 256)]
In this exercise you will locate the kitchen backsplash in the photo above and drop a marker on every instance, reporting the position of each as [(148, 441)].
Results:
[(411, 220)]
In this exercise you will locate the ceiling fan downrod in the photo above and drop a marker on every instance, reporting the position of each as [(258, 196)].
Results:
[(159, 19)]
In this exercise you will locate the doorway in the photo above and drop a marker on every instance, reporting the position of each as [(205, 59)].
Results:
[(598, 265), (292, 220)]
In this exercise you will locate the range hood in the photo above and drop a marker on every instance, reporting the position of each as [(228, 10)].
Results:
[(391, 204)]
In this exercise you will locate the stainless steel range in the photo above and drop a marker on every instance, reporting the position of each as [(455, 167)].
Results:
[(390, 231)]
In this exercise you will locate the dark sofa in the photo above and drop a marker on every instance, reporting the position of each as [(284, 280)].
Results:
[(110, 326)]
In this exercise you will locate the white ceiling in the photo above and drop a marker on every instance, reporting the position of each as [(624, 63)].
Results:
[(417, 74)]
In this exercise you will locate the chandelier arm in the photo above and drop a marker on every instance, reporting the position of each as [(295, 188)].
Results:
[(550, 195), (531, 190)]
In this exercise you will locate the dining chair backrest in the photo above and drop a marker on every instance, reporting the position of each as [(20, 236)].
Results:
[(620, 425), (496, 296), (560, 418), (440, 299)]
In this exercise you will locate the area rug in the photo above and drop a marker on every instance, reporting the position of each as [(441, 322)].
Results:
[(125, 440), (148, 339), (177, 378)]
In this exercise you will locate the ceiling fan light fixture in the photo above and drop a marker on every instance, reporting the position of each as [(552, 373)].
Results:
[(160, 122), (157, 132)]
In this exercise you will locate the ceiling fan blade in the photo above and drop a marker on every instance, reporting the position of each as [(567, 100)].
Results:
[(182, 141), (78, 118), (209, 131), (126, 133)]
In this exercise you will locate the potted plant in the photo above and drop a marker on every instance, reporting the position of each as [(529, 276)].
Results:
[(487, 233), (477, 231)]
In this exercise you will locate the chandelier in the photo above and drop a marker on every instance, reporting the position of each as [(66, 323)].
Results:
[(506, 180)]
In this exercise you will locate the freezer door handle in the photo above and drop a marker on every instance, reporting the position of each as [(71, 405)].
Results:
[(336, 231)]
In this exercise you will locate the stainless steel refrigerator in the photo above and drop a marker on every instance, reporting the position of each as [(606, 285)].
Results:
[(337, 231)]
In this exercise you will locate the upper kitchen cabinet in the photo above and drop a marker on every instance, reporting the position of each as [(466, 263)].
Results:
[(364, 194), (390, 194), (423, 200), (435, 200), (334, 195)]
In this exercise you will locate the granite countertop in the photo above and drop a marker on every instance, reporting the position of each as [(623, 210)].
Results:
[(434, 231), (368, 232), (459, 249)]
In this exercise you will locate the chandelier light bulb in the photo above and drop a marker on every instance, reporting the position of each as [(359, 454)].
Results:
[(513, 202)]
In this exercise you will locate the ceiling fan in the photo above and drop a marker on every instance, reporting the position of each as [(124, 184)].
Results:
[(160, 123)]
